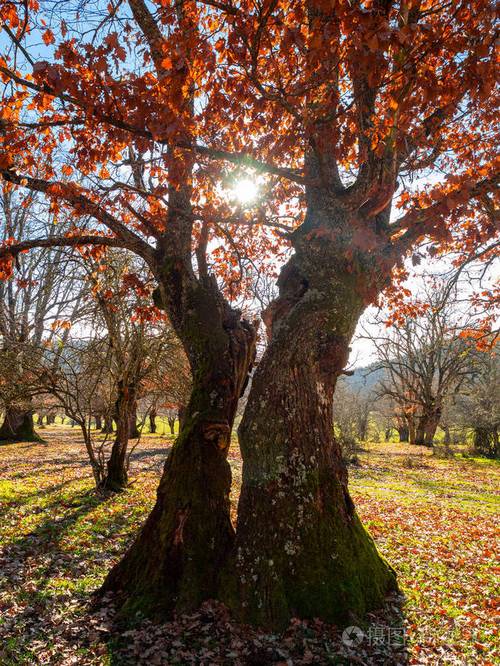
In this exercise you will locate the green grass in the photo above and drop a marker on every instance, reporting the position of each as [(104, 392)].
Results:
[(432, 518)]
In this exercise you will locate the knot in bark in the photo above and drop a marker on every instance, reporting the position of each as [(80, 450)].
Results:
[(217, 433)]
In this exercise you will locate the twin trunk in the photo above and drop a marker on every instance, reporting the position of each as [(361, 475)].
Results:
[(300, 548)]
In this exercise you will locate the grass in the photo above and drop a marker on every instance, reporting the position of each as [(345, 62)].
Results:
[(432, 518)]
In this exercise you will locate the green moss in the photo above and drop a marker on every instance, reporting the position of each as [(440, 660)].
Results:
[(323, 566)]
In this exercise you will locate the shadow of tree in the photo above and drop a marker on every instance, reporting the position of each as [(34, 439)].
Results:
[(30, 562), (140, 454)]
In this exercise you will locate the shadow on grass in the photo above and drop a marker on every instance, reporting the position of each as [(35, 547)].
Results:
[(8, 502), (29, 565), (141, 454)]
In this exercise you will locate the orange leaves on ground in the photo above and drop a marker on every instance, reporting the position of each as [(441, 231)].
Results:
[(433, 520)]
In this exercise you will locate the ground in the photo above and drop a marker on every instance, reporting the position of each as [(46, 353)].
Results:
[(432, 518)]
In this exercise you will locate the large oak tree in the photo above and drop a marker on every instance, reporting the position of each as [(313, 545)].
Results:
[(340, 105)]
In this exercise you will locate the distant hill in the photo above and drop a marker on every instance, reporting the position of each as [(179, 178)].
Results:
[(365, 378)]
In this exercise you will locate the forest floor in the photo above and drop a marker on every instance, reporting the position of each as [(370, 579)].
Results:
[(432, 518)]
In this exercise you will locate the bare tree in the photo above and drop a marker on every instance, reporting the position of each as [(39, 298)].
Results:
[(351, 413), (44, 293), (425, 359), (476, 409), (137, 338)]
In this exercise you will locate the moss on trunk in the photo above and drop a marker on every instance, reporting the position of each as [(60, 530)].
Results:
[(175, 562)]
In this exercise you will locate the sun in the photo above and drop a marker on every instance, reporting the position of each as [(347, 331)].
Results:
[(245, 191)]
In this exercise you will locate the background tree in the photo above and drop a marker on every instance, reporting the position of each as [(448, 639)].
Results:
[(166, 389), (71, 374), (426, 359), (476, 408), (351, 414), (44, 292)]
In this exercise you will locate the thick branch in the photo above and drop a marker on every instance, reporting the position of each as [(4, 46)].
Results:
[(60, 241), (83, 204)]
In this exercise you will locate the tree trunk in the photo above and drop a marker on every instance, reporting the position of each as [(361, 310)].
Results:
[(300, 549), (152, 421), (363, 428), (431, 427), (447, 436), (18, 426), (51, 419), (420, 431), (39, 421), (426, 428), (421, 425), (116, 478), (175, 561), (133, 429), (98, 421), (171, 424), (486, 442), (412, 435), (107, 427), (181, 414), (403, 433)]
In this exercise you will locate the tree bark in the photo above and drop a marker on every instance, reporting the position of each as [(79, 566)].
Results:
[(420, 430), (116, 478), (412, 434), (403, 433), (98, 421), (18, 426), (174, 563), (363, 428), (171, 424), (152, 421), (107, 427), (181, 415), (486, 441), (431, 426), (426, 427), (447, 435), (133, 429), (300, 549)]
